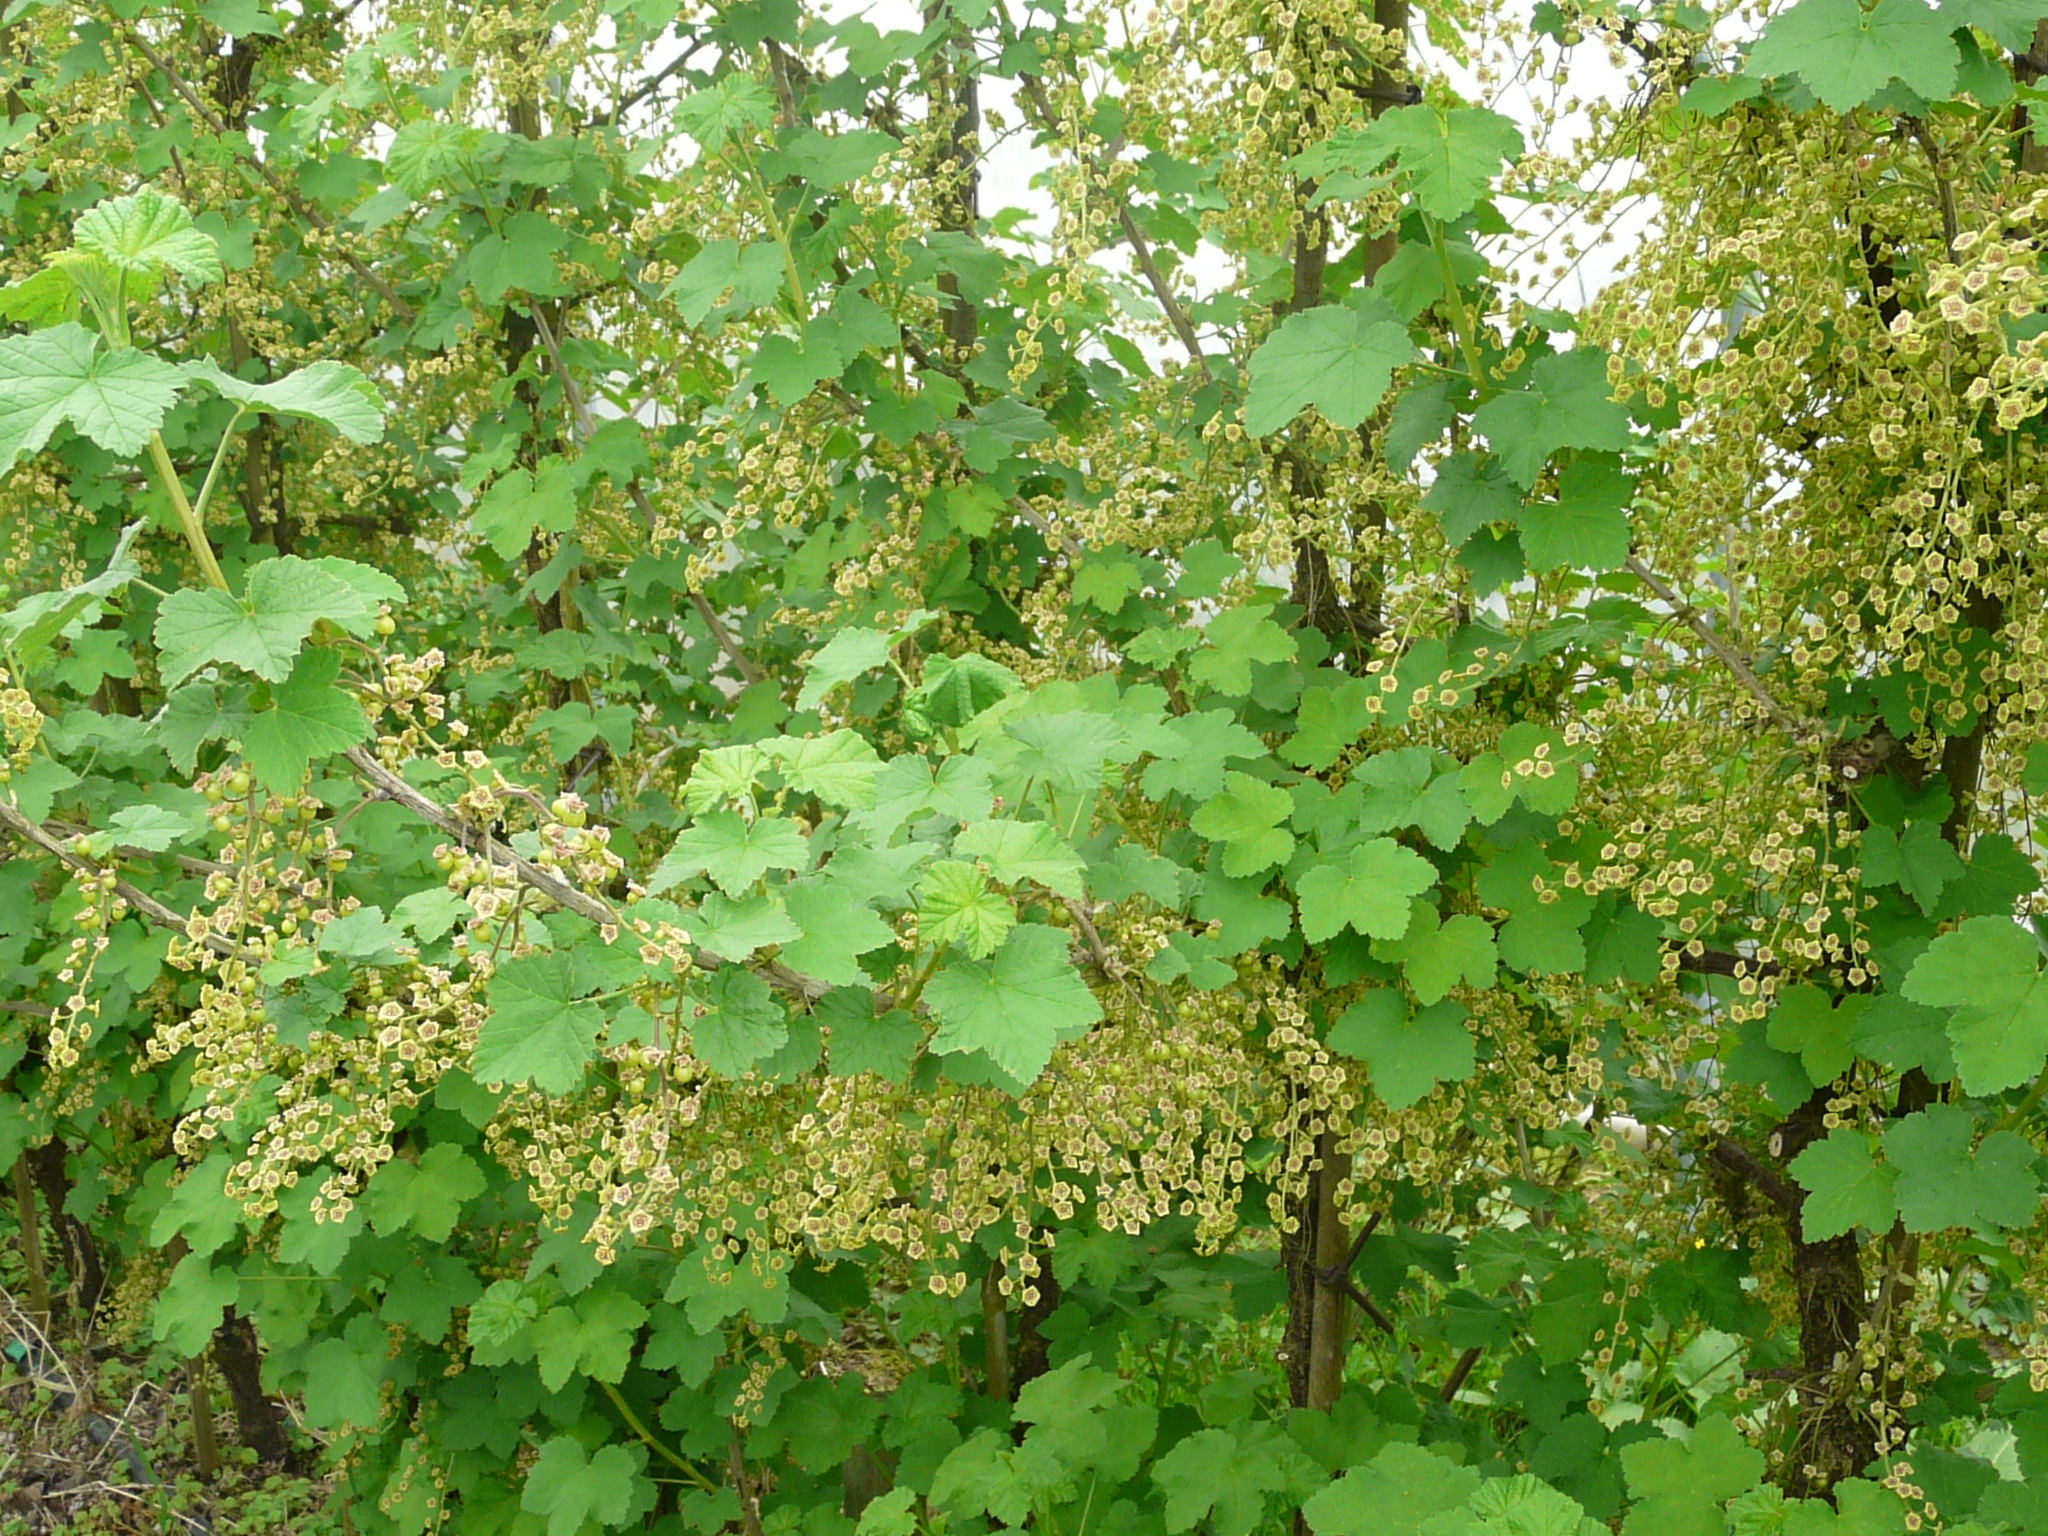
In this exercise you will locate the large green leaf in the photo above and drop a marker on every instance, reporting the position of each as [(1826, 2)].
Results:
[(145, 232), (1015, 1008), (1847, 54), (1846, 1186), (1370, 891), (540, 1029), (117, 397), (1449, 155), (262, 631), (1335, 358), (333, 394), (1566, 404), (1988, 973), (309, 718)]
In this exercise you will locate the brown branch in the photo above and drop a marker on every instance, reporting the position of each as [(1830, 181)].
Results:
[(1177, 317), (1719, 962), (586, 428), (298, 204), (387, 785), (164, 917), (1729, 656), (1738, 1159), (1460, 1374)]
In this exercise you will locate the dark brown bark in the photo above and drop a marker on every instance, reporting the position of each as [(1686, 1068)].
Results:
[(995, 1335), (1837, 1436), (259, 1422), (30, 1216), (1032, 1345), (954, 95), (199, 1397), (88, 1276)]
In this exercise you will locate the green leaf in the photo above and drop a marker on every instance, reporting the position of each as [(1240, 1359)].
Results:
[(1919, 861), (1246, 818), (1847, 54), (262, 631), (1191, 751), (831, 160), (957, 905), (362, 935), (1391, 1495), (152, 828), (840, 660), (1943, 1181), (33, 625), (192, 1305), (1566, 405), (538, 1031), (1586, 527), (1986, 971), (1370, 892), (522, 258), (1226, 1475), (733, 108), (573, 1488), (840, 768), (1236, 639), (733, 851), (1816, 1028), (333, 394), (957, 688), (519, 504), (862, 1042), (1407, 1057), (1024, 850), (738, 1022), (733, 930), (146, 232), (911, 788), (837, 930), (1327, 722), (426, 1196), (594, 1336), (1471, 491), (1402, 789), (500, 1326), (1016, 1008), (117, 397), (748, 276), (1449, 156), (309, 718), (41, 299), (345, 1377), (1680, 1485), (1436, 956), (1846, 1187), (1338, 359), (2010, 22)]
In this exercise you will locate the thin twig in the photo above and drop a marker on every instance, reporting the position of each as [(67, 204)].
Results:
[(298, 204), (1735, 1157), (164, 917), (1177, 317), (586, 428), (1730, 657)]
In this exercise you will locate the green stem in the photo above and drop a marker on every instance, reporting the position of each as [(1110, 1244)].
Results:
[(1461, 319), (220, 456), (767, 204), (2021, 1110), (188, 520), (633, 1423)]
